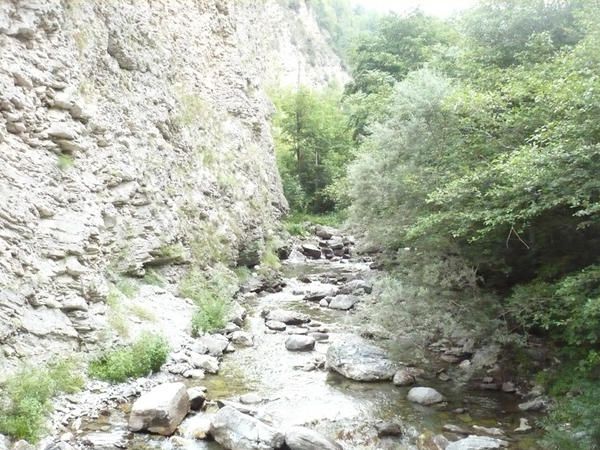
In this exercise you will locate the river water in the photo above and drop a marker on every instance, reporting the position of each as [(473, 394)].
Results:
[(339, 408)]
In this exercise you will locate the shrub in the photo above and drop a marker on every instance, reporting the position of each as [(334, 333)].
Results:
[(212, 292), (146, 355), (26, 398), (154, 278), (573, 424), (210, 315)]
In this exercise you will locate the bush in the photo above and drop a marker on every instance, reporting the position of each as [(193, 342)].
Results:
[(573, 424), (210, 315), (26, 397), (146, 355), (212, 292)]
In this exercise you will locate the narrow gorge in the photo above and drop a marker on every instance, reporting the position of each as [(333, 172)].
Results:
[(299, 225)]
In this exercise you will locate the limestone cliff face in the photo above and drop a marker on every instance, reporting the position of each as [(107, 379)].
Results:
[(134, 134)]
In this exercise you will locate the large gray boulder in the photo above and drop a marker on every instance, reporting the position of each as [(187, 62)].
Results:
[(311, 251), (287, 317), (213, 344), (160, 410), (358, 360), (237, 431), (477, 443), (343, 302), (424, 396), (300, 438), (300, 343)]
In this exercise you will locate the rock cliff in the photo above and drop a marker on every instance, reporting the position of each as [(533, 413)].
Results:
[(135, 134)]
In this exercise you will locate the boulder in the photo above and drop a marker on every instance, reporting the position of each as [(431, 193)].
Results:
[(300, 438), (311, 251), (250, 398), (242, 338), (237, 431), (323, 232), (300, 343), (161, 409), (343, 302), (425, 396), (385, 429), (207, 363), (288, 317), (215, 344), (318, 295), (275, 325), (197, 397), (477, 443), (537, 404), (356, 287), (358, 360), (403, 377), (236, 314)]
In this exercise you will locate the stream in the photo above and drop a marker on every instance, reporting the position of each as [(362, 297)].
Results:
[(294, 388)]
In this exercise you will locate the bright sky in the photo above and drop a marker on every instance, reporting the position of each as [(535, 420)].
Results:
[(442, 8)]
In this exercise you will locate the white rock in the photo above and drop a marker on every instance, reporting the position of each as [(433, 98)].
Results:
[(62, 130), (160, 410), (298, 342), (242, 338), (425, 396), (208, 363), (237, 431), (477, 443), (301, 438), (359, 360)]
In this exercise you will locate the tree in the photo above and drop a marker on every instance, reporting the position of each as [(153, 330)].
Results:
[(313, 144)]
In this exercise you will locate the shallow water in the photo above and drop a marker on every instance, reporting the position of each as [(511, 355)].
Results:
[(334, 405)]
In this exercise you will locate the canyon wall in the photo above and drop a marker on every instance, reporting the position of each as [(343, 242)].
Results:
[(135, 134)]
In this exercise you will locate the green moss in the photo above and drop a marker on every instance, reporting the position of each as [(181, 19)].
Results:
[(65, 161)]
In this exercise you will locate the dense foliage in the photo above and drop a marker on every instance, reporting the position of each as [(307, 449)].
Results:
[(25, 399), (145, 356), (480, 150), (313, 143)]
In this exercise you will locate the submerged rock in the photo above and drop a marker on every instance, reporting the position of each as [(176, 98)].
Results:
[(425, 396), (301, 438), (160, 410), (358, 360), (477, 443), (237, 431)]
